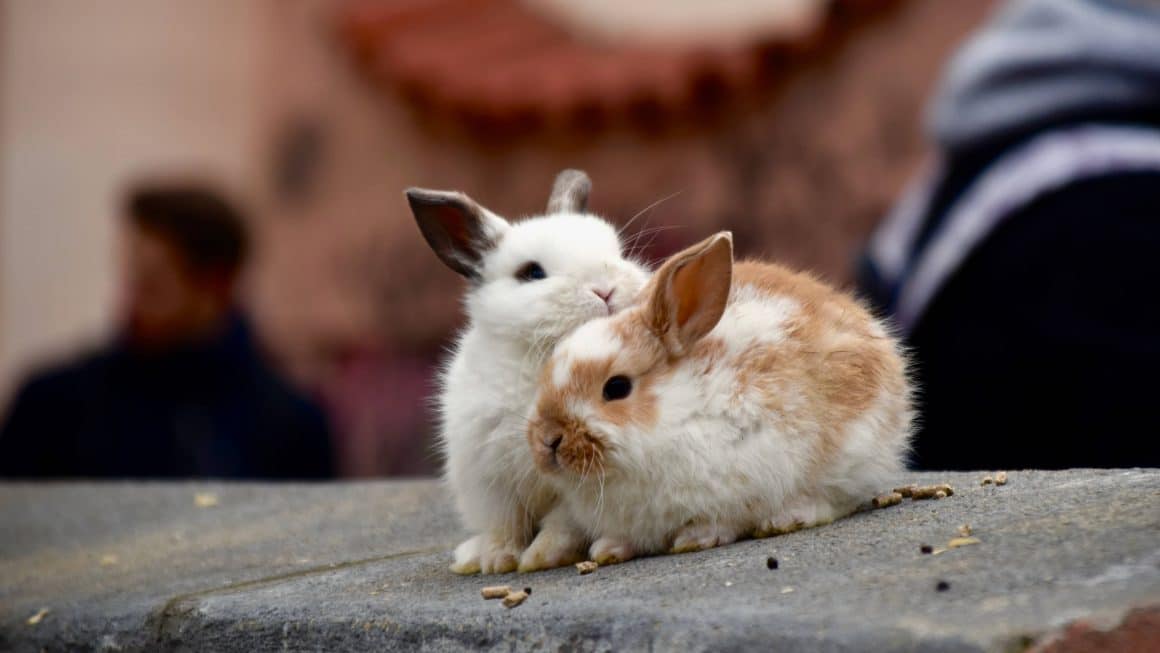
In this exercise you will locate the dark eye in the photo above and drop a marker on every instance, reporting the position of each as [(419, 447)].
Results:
[(618, 387), (531, 271)]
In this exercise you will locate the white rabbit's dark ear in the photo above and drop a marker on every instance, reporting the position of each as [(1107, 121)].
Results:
[(459, 230), (570, 192), (690, 291)]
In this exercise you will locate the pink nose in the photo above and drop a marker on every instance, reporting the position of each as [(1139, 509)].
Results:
[(605, 295)]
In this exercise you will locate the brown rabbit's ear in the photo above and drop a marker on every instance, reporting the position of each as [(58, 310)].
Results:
[(459, 230), (570, 192), (690, 291)]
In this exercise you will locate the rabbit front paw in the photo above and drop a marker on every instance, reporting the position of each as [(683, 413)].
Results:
[(553, 547), (699, 536), (611, 550), (803, 512)]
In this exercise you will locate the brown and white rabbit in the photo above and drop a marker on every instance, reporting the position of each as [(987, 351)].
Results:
[(732, 401)]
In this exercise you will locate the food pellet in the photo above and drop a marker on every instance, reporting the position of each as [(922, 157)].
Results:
[(771, 563), (926, 549), (38, 617), (987, 480), (932, 491), (906, 490), (496, 591), (942, 586), (586, 567), (885, 500), (528, 591), (964, 530), (1001, 478), (963, 541), (515, 598)]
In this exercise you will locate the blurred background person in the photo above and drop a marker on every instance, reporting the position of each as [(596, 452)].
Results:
[(182, 389), (1022, 267)]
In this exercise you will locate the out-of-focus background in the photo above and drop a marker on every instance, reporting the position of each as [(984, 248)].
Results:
[(794, 123)]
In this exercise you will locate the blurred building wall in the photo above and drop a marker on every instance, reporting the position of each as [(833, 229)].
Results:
[(93, 94)]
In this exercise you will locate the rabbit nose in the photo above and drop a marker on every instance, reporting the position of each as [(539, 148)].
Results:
[(555, 443), (605, 294)]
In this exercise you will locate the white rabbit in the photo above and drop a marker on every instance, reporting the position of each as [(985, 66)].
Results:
[(732, 401), (531, 282)]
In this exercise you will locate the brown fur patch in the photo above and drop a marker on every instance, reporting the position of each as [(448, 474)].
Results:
[(831, 363), (638, 361)]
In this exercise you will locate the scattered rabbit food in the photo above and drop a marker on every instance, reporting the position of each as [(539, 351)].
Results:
[(942, 586), (940, 491), (926, 549), (496, 591), (964, 530), (906, 490), (914, 492), (771, 563), (586, 567), (998, 479), (510, 598), (514, 598), (886, 500), (963, 541)]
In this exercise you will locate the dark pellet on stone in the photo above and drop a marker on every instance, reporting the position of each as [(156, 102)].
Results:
[(771, 562), (926, 548), (942, 586), (528, 591)]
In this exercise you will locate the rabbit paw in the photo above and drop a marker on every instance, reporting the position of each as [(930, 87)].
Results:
[(611, 550), (487, 554), (498, 556), (553, 548), (702, 535), (796, 515), (467, 557)]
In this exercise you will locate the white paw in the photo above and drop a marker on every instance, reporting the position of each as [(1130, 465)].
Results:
[(552, 548), (466, 559), (796, 515), (611, 550), (701, 536), (498, 555)]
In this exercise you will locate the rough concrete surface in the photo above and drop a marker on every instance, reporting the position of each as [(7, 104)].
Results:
[(363, 566)]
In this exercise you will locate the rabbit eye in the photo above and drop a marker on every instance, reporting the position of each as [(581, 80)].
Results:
[(531, 271), (618, 387)]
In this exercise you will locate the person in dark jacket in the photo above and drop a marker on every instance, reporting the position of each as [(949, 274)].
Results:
[(182, 390), (1022, 268)]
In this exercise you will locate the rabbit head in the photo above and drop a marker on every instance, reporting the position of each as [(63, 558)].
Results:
[(597, 396), (536, 279)]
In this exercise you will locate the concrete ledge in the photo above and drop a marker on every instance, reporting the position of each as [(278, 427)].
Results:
[(362, 566)]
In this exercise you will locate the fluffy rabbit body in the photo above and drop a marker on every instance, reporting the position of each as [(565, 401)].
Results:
[(530, 283), (732, 401)]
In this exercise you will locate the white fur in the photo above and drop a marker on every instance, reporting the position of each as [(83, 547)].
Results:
[(720, 464), (491, 378)]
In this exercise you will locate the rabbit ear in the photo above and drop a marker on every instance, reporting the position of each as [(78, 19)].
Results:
[(570, 192), (459, 230), (690, 291)]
